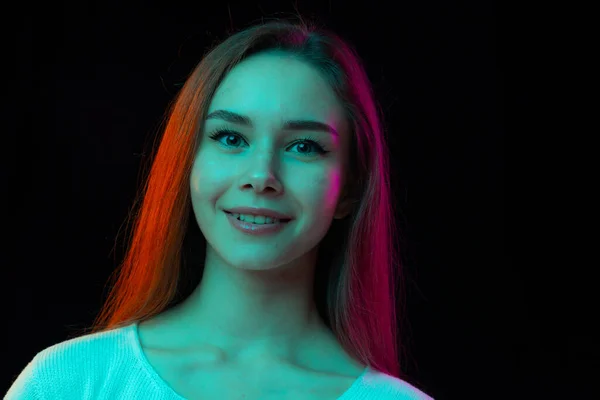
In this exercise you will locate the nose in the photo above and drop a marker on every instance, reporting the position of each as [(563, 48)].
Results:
[(261, 174)]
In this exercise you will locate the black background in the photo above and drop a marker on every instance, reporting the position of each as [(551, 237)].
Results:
[(92, 81)]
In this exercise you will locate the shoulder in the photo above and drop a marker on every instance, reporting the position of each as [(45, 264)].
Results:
[(378, 385), (62, 365), (101, 347)]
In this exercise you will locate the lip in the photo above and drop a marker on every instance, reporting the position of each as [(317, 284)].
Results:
[(259, 211), (255, 229)]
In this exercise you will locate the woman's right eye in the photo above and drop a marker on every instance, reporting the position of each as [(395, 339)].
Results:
[(217, 135)]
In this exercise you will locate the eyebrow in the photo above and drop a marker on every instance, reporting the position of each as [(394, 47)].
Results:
[(293, 125)]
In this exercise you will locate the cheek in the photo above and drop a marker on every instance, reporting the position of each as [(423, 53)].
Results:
[(198, 178), (315, 188), (207, 178), (214, 167), (322, 192)]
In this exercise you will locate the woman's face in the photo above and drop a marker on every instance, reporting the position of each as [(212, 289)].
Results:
[(262, 164)]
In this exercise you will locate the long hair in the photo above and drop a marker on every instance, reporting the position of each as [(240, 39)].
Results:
[(358, 269)]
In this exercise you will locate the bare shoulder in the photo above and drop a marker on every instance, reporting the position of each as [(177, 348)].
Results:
[(153, 331)]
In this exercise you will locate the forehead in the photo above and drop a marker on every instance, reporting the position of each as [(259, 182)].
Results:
[(272, 86)]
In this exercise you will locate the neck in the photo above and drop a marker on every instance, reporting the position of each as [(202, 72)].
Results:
[(250, 313)]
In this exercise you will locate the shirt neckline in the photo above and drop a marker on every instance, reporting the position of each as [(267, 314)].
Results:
[(137, 345)]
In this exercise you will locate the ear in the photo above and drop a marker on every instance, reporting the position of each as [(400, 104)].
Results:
[(347, 200), (343, 209), (345, 204)]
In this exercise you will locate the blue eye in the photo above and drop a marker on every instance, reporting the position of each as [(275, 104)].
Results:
[(308, 142)]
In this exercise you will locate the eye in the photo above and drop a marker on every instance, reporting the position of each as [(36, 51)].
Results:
[(304, 143)]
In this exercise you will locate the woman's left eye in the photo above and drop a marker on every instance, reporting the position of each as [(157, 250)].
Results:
[(306, 142)]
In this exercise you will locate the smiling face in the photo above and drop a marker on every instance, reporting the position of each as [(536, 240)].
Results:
[(297, 170)]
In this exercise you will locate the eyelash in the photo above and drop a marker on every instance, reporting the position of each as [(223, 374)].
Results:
[(218, 133)]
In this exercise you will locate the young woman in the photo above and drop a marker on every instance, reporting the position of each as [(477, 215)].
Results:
[(274, 155)]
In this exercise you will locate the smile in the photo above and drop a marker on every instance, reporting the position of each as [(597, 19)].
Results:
[(257, 225)]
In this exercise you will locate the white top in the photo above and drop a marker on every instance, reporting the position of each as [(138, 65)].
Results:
[(112, 365)]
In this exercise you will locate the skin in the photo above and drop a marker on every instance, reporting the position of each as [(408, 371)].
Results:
[(255, 301)]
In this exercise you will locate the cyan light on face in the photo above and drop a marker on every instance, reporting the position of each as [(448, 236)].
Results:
[(266, 169)]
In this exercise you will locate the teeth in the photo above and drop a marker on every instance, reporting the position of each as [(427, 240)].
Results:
[(255, 219)]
